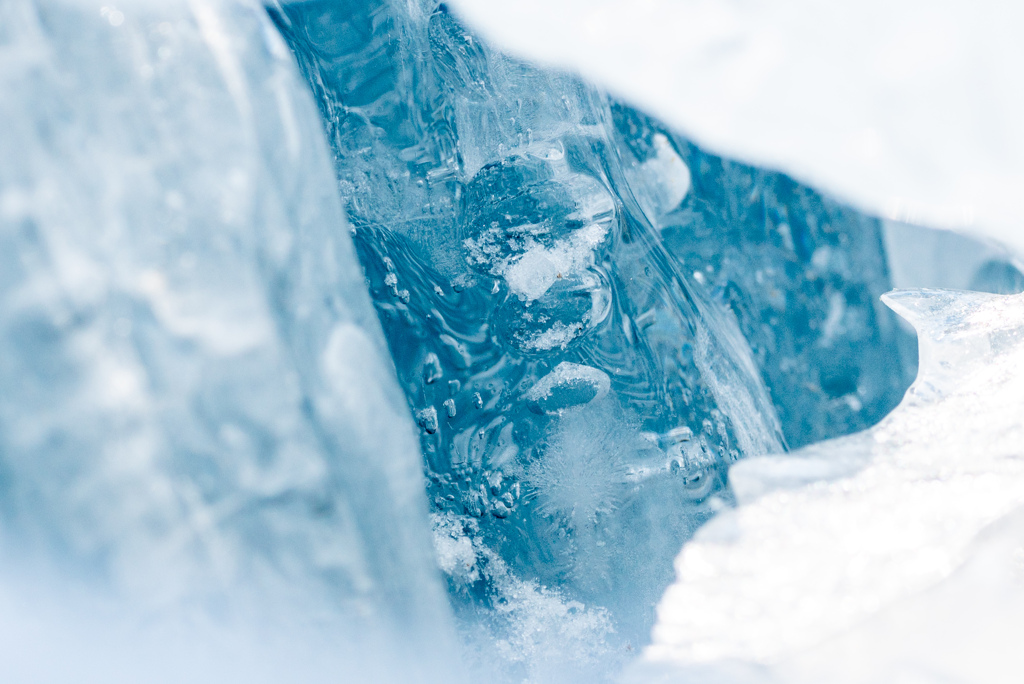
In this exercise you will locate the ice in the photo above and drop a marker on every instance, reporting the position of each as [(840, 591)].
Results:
[(544, 636), (662, 180), (568, 385), (852, 559), (922, 257), (801, 273), (907, 109), (199, 421), (575, 297), (220, 396), (526, 273)]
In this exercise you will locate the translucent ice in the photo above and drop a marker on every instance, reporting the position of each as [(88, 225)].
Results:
[(198, 411), (907, 108), (836, 550), (543, 335), (922, 257), (570, 291)]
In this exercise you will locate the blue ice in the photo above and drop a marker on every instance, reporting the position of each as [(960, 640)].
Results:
[(590, 316), (328, 327)]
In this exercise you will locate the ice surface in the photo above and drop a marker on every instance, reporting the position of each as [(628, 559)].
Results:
[(801, 273), (199, 416), (502, 257), (570, 291), (853, 559), (208, 469), (909, 109), (922, 257)]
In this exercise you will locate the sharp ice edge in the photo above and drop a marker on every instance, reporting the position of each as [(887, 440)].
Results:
[(893, 552)]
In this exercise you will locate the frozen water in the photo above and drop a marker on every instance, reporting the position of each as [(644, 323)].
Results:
[(206, 464), (568, 385), (850, 97), (849, 546), (538, 325), (198, 412), (571, 292), (801, 273), (922, 257)]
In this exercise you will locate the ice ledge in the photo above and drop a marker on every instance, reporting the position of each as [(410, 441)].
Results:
[(848, 532)]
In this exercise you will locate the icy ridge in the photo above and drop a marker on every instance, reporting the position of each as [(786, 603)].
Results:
[(846, 532)]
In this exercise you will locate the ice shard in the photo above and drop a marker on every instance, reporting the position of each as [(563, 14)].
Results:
[(198, 408)]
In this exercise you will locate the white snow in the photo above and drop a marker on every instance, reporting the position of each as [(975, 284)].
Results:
[(847, 540)]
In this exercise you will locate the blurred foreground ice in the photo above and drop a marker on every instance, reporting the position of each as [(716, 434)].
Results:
[(198, 417)]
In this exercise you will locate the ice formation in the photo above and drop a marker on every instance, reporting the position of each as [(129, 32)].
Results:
[(571, 292), (941, 259), (844, 548), (850, 96), (198, 413), (219, 395)]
